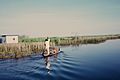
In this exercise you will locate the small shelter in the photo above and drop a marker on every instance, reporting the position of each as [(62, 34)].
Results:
[(9, 39)]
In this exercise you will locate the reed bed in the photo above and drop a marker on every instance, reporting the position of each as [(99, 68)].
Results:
[(21, 49), (85, 40)]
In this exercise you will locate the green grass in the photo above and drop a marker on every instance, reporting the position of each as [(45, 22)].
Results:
[(29, 46)]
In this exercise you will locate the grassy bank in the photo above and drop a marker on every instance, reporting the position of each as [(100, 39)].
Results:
[(72, 40), (29, 46), (21, 49), (76, 40)]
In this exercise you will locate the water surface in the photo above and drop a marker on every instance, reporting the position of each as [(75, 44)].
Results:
[(83, 62)]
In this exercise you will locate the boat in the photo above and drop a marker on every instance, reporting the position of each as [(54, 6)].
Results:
[(53, 51)]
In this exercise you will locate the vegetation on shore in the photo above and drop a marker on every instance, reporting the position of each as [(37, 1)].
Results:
[(21, 49), (73, 40), (29, 46), (76, 40)]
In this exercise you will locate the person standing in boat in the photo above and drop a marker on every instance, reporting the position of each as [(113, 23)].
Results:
[(47, 45)]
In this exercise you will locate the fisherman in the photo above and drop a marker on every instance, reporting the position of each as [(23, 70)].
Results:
[(47, 45)]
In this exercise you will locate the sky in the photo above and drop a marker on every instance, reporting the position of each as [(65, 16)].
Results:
[(59, 17)]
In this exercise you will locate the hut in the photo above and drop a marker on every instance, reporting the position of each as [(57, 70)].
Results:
[(9, 39)]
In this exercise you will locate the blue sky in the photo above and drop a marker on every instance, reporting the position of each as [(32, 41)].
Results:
[(59, 17)]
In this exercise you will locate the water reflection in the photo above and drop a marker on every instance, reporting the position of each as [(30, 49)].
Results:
[(48, 62)]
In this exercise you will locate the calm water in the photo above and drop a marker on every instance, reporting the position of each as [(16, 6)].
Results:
[(84, 62)]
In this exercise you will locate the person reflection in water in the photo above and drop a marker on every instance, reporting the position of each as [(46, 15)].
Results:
[(47, 62)]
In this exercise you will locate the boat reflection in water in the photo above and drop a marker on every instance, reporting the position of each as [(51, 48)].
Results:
[(48, 61), (54, 51)]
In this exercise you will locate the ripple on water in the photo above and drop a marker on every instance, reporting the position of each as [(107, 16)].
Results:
[(70, 65)]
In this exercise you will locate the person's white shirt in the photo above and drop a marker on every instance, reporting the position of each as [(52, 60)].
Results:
[(47, 44)]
